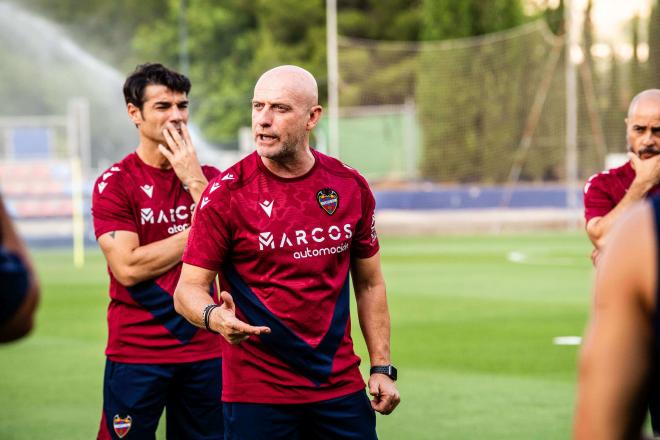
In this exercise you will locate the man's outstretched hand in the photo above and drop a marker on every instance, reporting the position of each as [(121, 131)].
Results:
[(230, 327)]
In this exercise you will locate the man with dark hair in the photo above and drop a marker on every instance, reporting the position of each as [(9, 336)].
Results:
[(142, 208), (285, 226), (19, 289), (609, 193)]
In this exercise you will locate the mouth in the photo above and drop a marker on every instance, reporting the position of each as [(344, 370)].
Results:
[(263, 137), (648, 153)]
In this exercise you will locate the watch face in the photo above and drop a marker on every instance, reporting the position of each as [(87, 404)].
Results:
[(393, 372)]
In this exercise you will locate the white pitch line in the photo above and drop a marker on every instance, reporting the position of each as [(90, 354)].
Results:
[(567, 340), (521, 258)]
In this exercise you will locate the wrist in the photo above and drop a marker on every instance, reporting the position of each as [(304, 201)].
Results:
[(388, 370), (639, 188), (206, 316)]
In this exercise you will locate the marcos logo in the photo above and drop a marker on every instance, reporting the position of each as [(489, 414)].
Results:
[(304, 237), (172, 215)]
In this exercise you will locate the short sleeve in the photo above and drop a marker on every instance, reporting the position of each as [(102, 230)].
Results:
[(210, 233), (111, 207), (210, 172), (365, 243), (597, 199)]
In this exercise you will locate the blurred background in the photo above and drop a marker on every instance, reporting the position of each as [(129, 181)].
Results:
[(440, 104), (475, 122)]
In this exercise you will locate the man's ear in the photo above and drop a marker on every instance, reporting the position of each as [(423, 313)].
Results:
[(314, 116), (134, 113)]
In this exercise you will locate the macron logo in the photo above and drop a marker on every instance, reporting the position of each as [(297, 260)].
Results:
[(266, 239), (215, 186), (106, 175), (115, 169), (102, 186), (267, 206), (229, 176), (147, 215), (205, 200), (148, 190)]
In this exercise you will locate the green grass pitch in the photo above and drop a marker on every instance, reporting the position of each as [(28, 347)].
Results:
[(472, 335)]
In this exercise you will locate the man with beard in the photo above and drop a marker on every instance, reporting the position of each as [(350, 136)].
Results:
[(609, 193), (285, 226)]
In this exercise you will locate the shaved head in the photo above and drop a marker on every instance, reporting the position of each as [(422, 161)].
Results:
[(647, 97), (295, 81)]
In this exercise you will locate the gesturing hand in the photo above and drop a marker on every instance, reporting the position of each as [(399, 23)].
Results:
[(183, 158), (231, 328), (386, 396)]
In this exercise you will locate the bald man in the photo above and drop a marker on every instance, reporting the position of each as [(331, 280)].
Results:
[(283, 228), (621, 353), (609, 193)]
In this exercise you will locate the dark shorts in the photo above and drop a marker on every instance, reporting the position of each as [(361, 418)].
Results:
[(14, 282), (348, 417), (134, 396)]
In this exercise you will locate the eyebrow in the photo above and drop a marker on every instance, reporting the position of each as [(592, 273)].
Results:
[(185, 101)]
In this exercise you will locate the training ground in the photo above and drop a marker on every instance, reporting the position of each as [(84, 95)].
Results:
[(473, 323)]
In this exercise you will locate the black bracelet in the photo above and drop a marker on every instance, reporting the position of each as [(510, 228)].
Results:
[(207, 315)]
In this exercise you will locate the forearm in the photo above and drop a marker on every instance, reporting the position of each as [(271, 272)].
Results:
[(190, 300), (131, 263), (374, 317), (599, 230)]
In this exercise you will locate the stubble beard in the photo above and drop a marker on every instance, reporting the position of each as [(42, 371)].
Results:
[(287, 152)]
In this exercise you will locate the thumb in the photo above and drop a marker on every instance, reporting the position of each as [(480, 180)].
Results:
[(227, 301), (374, 389)]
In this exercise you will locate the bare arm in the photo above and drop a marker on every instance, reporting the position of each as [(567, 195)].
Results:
[(374, 317), (131, 263), (23, 321), (191, 298), (647, 175), (615, 359)]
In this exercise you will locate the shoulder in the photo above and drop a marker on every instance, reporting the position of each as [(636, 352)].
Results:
[(115, 178), (232, 179), (210, 171), (341, 170), (602, 181)]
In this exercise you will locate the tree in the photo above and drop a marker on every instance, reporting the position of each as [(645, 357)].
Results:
[(654, 47), (471, 119)]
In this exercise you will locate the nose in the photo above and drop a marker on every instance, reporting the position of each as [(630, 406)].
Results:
[(176, 114), (263, 118)]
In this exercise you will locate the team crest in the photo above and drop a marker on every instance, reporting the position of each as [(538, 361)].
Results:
[(122, 425), (328, 200)]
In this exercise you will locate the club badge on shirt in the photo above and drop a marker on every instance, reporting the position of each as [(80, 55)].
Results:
[(328, 200), (122, 425)]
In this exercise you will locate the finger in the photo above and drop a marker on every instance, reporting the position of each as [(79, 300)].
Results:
[(634, 159), (186, 137), (169, 138), (165, 152), (176, 134), (385, 405), (245, 328)]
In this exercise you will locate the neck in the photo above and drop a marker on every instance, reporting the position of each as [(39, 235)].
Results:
[(295, 166), (149, 153)]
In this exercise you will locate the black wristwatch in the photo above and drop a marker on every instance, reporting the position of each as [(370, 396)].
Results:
[(387, 370)]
